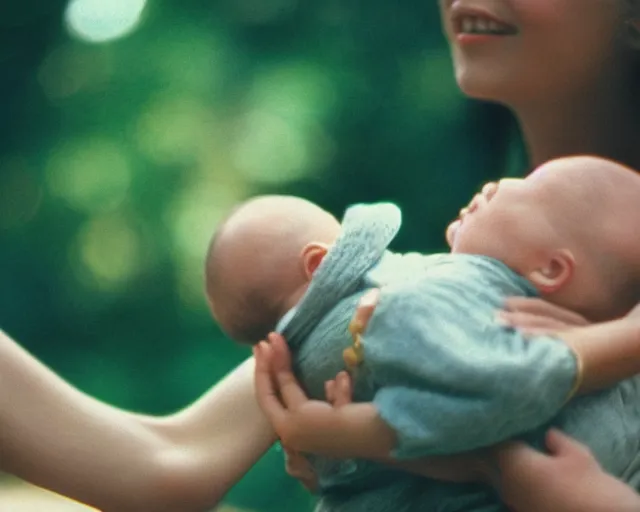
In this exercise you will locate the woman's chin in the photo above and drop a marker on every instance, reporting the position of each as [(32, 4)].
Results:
[(480, 86)]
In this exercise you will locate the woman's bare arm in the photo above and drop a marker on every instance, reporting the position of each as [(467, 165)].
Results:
[(56, 437)]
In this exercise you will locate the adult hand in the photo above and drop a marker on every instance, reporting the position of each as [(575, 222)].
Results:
[(299, 467), (295, 417), (567, 479), (537, 316), (314, 426)]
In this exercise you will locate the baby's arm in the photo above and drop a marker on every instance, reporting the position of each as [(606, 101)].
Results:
[(63, 440), (604, 353), (314, 426)]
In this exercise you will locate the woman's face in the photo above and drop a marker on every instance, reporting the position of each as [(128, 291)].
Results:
[(513, 51)]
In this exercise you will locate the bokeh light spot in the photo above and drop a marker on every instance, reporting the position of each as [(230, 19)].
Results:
[(99, 21), (281, 138), (90, 175), (173, 129), (193, 218), (20, 193), (298, 91), (72, 68), (271, 150), (109, 248)]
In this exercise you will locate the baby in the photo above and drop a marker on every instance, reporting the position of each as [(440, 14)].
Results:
[(261, 260), (443, 375)]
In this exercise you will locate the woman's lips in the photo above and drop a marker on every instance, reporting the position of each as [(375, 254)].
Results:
[(476, 24)]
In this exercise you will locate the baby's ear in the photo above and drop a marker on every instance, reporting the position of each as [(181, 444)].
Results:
[(312, 256), (556, 272)]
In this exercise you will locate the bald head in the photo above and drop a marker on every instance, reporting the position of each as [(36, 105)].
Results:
[(254, 268), (594, 204), (595, 199)]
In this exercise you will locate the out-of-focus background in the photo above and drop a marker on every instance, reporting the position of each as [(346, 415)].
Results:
[(128, 128)]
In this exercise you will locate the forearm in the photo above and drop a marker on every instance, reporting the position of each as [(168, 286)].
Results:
[(622, 499), (607, 353), (351, 431), (225, 433), (58, 438), (63, 440)]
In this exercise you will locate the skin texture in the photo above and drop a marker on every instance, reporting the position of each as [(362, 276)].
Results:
[(260, 262), (607, 352), (566, 479), (65, 441), (537, 227), (569, 74)]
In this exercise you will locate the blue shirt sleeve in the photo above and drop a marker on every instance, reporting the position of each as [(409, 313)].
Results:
[(450, 378)]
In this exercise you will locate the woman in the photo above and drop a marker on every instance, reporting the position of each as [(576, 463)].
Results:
[(566, 68), (569, 71)]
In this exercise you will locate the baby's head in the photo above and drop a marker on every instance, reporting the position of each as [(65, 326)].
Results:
[(260, 262), (571, 228)]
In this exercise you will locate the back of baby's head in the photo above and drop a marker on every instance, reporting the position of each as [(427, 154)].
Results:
[(595, 205), (253, 262)]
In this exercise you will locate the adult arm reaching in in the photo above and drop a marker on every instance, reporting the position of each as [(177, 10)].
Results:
[(58, 438), (565, 479)]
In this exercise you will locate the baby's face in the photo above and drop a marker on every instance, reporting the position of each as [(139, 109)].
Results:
[(503, 220)]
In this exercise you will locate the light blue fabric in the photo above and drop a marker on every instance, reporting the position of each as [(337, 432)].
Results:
[(439, 368)]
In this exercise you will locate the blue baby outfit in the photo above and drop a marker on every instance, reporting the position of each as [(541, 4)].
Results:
[(440, 370)]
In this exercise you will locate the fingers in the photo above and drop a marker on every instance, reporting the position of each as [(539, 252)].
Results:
[(300, 468), (266, 392), (532, 324), (343, 391), (541, 308), (516, 460), (281, 354), (291, 392), (338, 391), (561, 445), (330, 391)]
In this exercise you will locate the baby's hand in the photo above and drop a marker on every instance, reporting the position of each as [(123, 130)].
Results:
[(536, 316)]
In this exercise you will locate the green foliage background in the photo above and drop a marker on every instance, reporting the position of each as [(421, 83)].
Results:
[(118, 159)]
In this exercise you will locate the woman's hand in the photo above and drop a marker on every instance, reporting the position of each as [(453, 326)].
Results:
[(537, 316), (315, 426), (567, 479), (298, 467), (297, 420)]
